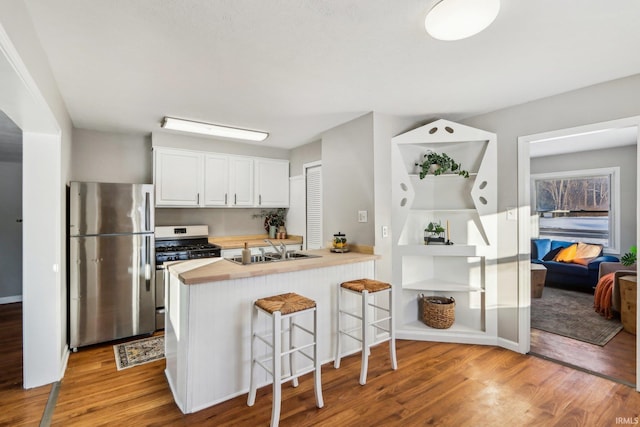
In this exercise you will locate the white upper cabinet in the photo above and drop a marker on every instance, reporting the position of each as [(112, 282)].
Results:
[(178, 177), (216, 180), (186, 178), (241, 181), (272, 183)]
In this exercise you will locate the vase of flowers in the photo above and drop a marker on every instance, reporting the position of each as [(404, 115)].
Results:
[(273, 219)]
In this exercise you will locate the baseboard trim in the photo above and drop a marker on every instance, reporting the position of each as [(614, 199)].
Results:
[(11, 299)]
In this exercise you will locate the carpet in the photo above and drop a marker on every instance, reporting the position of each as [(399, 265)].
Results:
[(571, 314), (139, 352)]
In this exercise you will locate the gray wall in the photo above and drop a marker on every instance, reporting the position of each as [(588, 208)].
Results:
[(348, 180), (608, 101), (111, 157), (625, 158), (307, 153), (11, 231), (162, 138)]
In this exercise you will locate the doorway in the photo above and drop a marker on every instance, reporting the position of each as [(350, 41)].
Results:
[(313, 205), (10, 211), (525, 215)]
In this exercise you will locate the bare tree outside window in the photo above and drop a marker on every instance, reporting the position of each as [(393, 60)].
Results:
[(574, 208)]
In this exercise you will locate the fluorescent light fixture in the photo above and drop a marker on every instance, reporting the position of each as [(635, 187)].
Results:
[(213, 130), (458, 19)]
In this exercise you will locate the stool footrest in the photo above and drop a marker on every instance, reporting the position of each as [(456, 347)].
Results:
[(294, 349), (348, 313)]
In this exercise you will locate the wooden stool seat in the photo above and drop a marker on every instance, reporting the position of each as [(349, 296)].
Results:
[(282, 309), (366, 289), (368, 285), (285, 303)]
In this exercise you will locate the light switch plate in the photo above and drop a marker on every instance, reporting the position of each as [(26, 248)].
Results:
[(362, 216)]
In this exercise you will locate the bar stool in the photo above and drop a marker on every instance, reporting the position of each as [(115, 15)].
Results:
[(366, 288), (279, 308)]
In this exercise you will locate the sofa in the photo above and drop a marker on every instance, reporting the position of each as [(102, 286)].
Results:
[(566, 266)]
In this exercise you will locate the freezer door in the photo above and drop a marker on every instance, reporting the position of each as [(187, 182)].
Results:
[(112, 292), (107, 208)]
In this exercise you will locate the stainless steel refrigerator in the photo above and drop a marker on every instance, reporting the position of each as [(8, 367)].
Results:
[(111, 262)]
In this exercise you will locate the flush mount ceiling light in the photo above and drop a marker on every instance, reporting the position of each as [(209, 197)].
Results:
[(213, 130), (458, 19)]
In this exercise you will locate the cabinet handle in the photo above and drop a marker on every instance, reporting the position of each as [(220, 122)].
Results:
[(225, 198), (198, 199), (235, 199), (260, 199)]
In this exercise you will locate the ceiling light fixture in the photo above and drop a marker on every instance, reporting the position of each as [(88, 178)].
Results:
[(213, 130), (458, 19)]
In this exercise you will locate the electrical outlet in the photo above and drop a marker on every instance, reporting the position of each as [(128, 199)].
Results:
[(385, 231), (362, 216)]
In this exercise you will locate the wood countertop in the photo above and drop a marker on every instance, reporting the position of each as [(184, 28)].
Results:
[(227, 270), (253, 241)]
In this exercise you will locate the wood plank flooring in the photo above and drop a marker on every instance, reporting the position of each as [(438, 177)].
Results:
[(436, 384), (19, 406), (616, 359)]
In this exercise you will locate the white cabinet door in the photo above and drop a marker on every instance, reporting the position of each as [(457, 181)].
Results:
[(178, 177), (216, 181), (241, 181), (272, 183)]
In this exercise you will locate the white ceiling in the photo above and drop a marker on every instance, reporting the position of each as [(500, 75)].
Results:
[(296, 68)]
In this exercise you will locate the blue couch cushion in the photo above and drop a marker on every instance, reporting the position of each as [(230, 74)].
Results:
[(539, 247)]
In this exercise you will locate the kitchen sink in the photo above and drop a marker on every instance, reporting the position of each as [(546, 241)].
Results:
[(273, 257)]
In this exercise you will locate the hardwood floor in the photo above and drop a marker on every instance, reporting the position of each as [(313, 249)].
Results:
[(616, 359), (19, 406), (436, 384)]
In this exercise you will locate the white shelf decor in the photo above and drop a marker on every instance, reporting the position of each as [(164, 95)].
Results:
[(465, 269)]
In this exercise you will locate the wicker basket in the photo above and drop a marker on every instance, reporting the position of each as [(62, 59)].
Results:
[(438, 312)]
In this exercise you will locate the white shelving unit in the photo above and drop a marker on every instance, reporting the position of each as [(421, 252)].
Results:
[(464, 270)]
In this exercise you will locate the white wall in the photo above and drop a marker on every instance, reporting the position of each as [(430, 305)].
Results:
[(608, 101), (30, 97), (10, 231), (307, 153)]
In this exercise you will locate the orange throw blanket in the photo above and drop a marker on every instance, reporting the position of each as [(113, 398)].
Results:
[(602, 296)]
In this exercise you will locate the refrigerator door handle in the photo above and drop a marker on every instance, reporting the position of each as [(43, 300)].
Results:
[(147, 212), (147, 263)]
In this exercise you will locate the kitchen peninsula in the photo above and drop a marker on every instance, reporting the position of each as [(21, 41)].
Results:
[(207, 329)]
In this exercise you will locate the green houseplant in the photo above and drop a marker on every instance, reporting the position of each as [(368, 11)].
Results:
[(438, 164), (434, 233), (630, 257)]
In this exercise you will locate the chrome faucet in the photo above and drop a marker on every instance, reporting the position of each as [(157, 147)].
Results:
[(282, 251)]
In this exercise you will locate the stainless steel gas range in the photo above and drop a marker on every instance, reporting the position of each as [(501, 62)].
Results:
[(178, 243)]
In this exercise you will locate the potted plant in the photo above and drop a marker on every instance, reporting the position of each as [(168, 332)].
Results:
[(273, 218), (434, 233), (438, 164)]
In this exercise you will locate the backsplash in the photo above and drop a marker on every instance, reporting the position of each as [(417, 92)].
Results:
[(221, 221)]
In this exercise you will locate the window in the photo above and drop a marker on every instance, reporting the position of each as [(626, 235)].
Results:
[(578, 206)]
